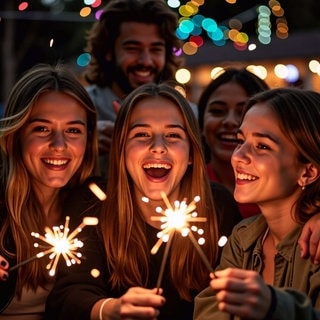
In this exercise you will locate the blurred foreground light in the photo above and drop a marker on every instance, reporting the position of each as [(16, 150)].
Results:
[(173, 3), (215, 72), (293, 73), (259, 71), (281, 71), (183, 75), (314, 66)]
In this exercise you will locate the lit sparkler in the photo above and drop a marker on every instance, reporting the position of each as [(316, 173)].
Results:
[(61, 244), (179, 218)]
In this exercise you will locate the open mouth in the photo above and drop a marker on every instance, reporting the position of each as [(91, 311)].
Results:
[(230, 138), (247, 177), (157, 170)]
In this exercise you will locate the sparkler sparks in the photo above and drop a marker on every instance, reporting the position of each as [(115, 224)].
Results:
[(61, 244), (180, 218)]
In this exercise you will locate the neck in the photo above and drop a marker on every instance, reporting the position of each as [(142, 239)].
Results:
[(51, 206)]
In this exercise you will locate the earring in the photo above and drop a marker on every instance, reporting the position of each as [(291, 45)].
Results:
[(303, 187)]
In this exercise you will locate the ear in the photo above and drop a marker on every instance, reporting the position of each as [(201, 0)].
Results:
[(309, 175)]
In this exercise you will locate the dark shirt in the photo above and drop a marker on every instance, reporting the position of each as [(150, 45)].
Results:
[(76, 290)]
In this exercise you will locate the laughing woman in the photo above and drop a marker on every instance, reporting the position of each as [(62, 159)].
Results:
[(48, 145), (277, 165)]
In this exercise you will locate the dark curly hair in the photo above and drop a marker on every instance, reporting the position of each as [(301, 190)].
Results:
[(103, 34)]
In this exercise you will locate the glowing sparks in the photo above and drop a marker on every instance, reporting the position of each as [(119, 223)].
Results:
[(178, 218), (61, 244), (97, 191)]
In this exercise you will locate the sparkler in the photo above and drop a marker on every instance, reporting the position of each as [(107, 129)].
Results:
[(61, 244), (179, 219)]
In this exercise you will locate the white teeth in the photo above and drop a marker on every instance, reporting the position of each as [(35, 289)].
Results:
[(56, 162), (143, 73), (157, 165), (243, 176), (228, 136)]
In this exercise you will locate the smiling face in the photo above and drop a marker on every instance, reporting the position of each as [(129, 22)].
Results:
[(157, 150), (139, 55), (265, 162), (54, 140), (222, 118)]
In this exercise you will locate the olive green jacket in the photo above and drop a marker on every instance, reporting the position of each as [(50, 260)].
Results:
[(296, 280)]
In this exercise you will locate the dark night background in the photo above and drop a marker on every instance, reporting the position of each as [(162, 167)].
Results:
[(25, 36)]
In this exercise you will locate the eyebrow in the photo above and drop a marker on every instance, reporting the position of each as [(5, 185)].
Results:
[(260, 135), (136, 42), (172, 126), (81, 122), (223, 102)]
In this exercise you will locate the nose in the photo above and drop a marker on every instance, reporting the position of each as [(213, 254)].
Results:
[(241, 153), (158, 145), (58, 141), (231, 119), (145, 57)]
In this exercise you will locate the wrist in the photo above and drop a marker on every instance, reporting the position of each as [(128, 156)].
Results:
[(104, 302)]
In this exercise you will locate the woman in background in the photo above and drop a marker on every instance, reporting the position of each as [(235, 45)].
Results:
[(220, 108)]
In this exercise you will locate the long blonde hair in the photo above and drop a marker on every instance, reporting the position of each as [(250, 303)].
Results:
[(21, 209), (123, 227)]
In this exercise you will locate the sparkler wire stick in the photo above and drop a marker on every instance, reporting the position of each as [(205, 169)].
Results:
[(164, 261), (200, 251)]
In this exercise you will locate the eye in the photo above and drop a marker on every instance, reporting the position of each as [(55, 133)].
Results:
[(173, 135), (40, 129), (74, 130), (216, 111), (141, 135), (263, 146), (157, 49)]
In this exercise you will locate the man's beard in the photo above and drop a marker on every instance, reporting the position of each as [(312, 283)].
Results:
[(122, 81)]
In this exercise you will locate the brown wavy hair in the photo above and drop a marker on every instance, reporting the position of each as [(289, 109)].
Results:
[(123, 226)]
